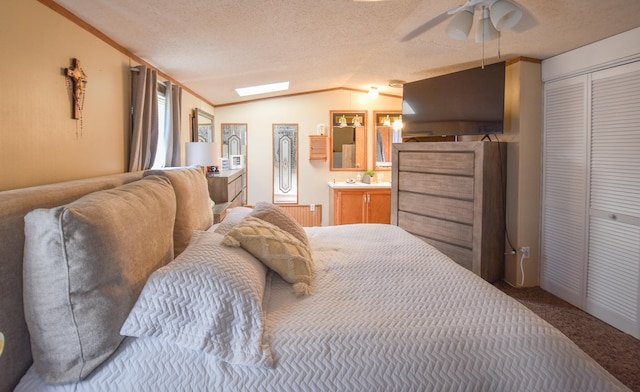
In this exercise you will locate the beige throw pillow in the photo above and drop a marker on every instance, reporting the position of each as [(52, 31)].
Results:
[(277, 216), (277, 249)]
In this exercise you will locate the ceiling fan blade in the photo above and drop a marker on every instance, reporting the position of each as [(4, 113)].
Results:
[(470, 5), (433, 22)]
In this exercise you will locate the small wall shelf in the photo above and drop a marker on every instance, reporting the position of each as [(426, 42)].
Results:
[(318, 146)]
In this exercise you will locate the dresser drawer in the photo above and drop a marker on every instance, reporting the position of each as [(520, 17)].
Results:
[(458, 234), (455, 163), (460, 255), (436, 207), (227, 186), (235, 187), (436, 184)]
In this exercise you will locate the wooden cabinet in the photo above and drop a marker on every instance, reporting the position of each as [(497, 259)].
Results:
[(368, 205), (451, 195), (318, 147), (228, 187)]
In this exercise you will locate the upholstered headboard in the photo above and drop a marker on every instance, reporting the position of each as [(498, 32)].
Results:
[(14, 206)]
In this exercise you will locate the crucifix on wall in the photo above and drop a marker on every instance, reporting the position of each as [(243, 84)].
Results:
[(78, 81)]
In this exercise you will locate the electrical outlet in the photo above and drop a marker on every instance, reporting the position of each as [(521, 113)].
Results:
[(525, 250), (312, 207)]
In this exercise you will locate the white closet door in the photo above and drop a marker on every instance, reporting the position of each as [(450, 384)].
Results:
[(565, 188), (613, 274)]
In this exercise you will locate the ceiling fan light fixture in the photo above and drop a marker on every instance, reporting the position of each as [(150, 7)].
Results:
[(485, 31), (460, 25), (505, 15)]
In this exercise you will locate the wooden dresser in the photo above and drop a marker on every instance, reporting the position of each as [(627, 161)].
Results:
[(451, 195), (227, 189)]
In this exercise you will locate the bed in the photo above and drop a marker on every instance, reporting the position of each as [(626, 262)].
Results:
[(350, 308)]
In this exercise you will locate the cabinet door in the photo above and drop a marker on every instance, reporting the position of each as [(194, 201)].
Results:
[(350, 207), (318, 147), (379, 206)]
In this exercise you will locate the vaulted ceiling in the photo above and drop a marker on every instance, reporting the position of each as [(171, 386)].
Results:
[(215, 46)]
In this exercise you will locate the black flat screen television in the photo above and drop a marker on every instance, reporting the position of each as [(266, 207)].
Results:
[(469, 102)]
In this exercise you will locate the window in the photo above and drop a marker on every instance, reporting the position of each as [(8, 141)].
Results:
[(161, 152)]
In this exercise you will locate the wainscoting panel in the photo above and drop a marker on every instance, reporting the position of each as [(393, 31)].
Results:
[(303, 214)]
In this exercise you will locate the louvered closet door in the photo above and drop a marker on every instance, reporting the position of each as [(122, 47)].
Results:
[(613, 275), (565, 189)]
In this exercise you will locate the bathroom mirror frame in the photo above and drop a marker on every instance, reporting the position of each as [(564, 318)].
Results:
[(202, 129), (355, 158), (383, 137)]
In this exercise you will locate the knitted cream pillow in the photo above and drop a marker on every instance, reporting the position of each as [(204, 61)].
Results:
[(277, 249), (277, 216)]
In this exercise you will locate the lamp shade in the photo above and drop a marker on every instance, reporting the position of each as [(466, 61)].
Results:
[(505, 15), (485, 31), (460, 25), (201, 153)]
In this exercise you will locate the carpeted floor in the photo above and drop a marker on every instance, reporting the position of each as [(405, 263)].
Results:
[(614, 350)]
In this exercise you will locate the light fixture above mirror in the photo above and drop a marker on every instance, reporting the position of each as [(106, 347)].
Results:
[(348, 144)]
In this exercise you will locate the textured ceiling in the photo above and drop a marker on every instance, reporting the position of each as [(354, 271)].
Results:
[(213, 47)]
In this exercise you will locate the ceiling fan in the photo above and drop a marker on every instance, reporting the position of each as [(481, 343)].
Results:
[(495, 16)]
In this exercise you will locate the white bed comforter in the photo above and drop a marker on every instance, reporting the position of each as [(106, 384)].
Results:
[(389, 313)]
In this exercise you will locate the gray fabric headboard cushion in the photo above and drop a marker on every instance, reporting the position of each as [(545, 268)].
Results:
[(193, 209), (15, 204), (85, 264)]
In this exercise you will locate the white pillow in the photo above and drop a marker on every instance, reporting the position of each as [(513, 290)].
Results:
[(209, 299)]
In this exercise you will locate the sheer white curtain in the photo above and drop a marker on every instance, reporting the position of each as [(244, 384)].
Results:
[(144, 124), (173, 96)]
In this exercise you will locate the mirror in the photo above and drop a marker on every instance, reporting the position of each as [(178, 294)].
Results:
[(285, 163), (348, 141), (386, 122), (234, 143), (202, 127)]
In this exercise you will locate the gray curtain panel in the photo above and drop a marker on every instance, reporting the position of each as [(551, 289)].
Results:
[(173, 109), (144, 132)]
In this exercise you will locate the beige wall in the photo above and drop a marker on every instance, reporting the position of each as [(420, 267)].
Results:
[(307, 111), (39, 141), (523, 131)]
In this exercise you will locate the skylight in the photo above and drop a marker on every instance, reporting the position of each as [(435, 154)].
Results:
[(262, 89)]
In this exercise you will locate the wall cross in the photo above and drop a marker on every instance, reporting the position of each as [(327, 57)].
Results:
[(78, 80)]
